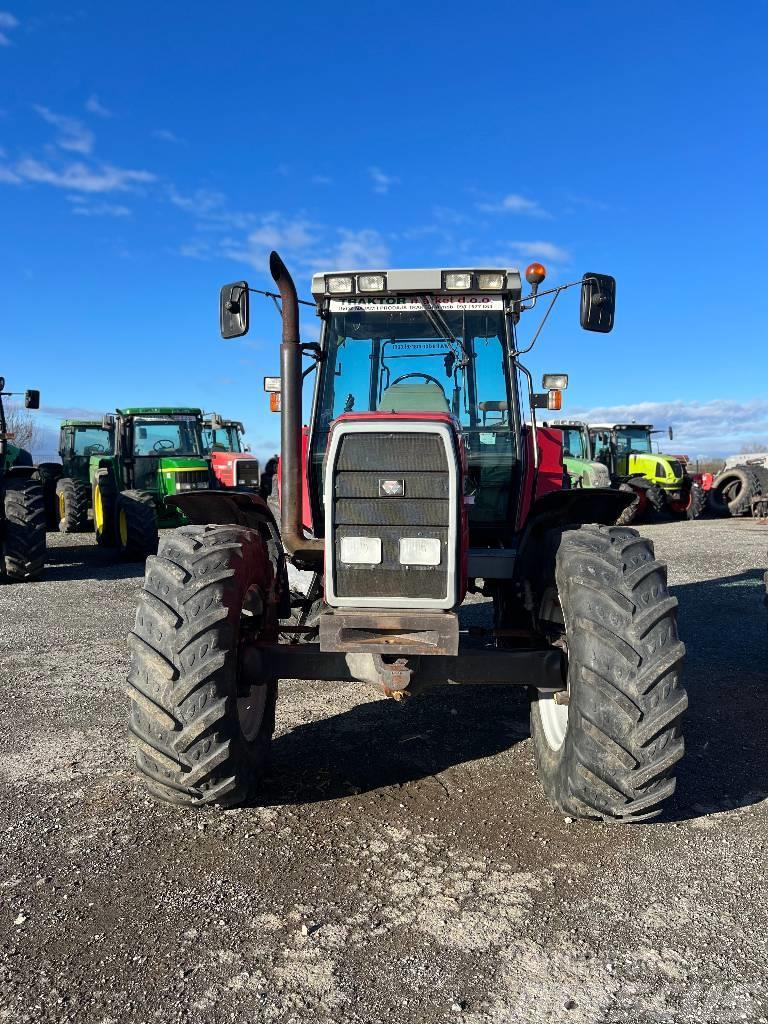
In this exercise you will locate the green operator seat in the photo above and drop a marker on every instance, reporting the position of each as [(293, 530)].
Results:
[(414, 396)]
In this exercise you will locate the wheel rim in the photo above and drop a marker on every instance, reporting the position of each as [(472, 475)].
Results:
[(123, 526), (98, 510), (554, 717), (250, 711), (554, 720), (62, 507)]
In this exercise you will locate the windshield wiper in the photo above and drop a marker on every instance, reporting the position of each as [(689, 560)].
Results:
[(440, 326)]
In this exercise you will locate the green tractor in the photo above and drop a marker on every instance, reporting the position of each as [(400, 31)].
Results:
[(661, 481), (66, 485), (156, 453), (582, 470), (22, 513)]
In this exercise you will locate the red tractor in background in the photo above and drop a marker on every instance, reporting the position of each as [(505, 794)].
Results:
[(232, 463), (422, 476)]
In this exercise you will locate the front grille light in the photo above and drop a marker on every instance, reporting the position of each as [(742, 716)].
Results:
[(197, 485), (360, 550), (420, 551)]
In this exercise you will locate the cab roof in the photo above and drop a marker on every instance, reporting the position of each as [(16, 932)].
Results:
[(419, 280), (619, 426), (226, 423), (82, 423), (159, 410)]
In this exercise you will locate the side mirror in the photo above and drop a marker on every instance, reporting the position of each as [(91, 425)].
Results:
[(32, 399), (598, 302), (234, 310), (554, 381), (107, 422), (671, 434)]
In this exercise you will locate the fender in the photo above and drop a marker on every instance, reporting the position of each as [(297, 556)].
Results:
[(23, 472), (239, 508)]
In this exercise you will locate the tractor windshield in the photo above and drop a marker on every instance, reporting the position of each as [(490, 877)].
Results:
[(91, 441), (225, 439), (575, 443), (172, 435), (633, 439), (449, 358)]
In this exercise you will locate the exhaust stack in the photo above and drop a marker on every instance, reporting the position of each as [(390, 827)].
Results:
[(292, 482)]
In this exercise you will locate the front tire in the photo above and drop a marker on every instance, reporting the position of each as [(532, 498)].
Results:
[(23, 550), (72, 499), (104, 500), (610, 752), (136, 524), (201, 735), (49, 473)]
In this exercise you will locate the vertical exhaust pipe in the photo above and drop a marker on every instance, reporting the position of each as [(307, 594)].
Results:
[(292, 481)]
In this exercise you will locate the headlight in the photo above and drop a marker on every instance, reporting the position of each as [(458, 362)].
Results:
[(360, 550), (461, 281), (339, 285), (370, 282), (419, 551), (491, 282)]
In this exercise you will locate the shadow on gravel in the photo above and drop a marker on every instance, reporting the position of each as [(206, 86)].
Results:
[(88, 562), (385, 743), (724, 624)]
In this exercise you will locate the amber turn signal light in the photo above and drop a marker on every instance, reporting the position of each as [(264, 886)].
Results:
[(555, 399), (535, 273), (274, 401)]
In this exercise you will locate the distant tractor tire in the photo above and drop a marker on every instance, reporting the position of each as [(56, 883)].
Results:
[(693, 505), (633, 510), (136, 524), (104, 501), (201, 734), (23, 549), (607, 749), (657, 501), (49, 473), (72, 500), (733, 491)]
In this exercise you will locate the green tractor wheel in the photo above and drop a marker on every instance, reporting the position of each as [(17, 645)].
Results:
[(73, 498), (22, 554), (49, 474), (136, 524), (104, 499)]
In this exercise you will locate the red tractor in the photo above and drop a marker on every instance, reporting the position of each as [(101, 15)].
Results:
[(424, 476), (232, 463)]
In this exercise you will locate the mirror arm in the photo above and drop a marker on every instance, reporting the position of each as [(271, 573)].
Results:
[(555, 296)]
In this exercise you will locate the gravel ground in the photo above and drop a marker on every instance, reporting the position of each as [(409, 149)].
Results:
[(402, 866)]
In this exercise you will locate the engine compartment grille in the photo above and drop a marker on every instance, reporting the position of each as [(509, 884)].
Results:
[(393, 485)]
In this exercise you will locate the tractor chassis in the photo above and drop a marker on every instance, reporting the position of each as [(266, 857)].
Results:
[(543, 669)]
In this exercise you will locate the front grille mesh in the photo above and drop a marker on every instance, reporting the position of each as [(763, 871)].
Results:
[(418, 462), (190, 476)]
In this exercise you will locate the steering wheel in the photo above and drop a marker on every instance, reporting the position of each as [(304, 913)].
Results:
[(94, 449), (426, 376), (163, 445)]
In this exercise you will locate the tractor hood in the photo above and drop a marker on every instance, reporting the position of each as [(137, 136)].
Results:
[(177, 474)]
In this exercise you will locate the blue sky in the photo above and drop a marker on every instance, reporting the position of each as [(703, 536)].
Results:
[(149, 153)]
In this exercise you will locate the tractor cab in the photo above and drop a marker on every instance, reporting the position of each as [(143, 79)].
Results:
[(582, 469), (231, 461), (627, 450), (79, 441)]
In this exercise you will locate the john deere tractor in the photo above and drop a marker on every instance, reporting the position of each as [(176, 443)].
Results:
[(660, 481), (582, 470), (157, 454), (400, 499), (66, 485), (22, 512)]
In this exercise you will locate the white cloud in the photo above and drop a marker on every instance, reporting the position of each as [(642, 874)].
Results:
[(510, 253), (365, 248), (515, 203), (94, 106), (101, 210), (163, 135), (8, 177), (718, 427), (72, 134), (382, 182), (7, 21), (78, 177)]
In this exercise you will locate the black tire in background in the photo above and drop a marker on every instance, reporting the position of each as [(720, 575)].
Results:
[(136, 524), (657, 501), (610, 751), (23, 551), (698, 504), (49, 473), (201, 736), (103, 503), (73, 499), (631, 512), (733, 489)]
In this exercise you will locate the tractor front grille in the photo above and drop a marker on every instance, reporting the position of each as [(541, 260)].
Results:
[(189, 479), (388, 485), (247, 472)]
